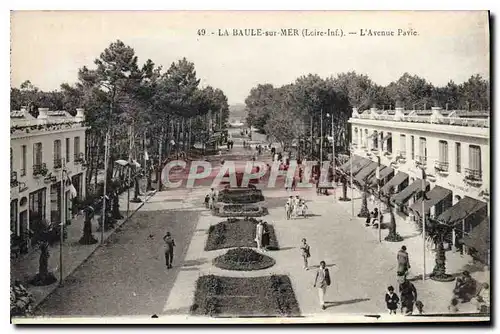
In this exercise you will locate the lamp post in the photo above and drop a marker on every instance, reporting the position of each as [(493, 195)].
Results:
[(321, 139), (423, 218), (350, 176), (63, 219)]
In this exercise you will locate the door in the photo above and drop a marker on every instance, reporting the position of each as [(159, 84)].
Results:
[(23, 230)]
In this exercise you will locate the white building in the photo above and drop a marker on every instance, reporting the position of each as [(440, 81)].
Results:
[(40, 148), (451, 147)]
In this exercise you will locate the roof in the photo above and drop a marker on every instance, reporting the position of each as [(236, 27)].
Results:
[(399, 178), (461, 210), (434, 196), (479, 238), (365, 172), (403, 196)]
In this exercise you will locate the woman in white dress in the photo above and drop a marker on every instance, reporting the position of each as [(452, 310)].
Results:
[(259, 231)]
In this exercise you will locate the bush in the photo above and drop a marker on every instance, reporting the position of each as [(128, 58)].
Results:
[(243, 259), (283, 294)]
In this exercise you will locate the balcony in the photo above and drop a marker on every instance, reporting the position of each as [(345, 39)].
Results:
[(13, 179), (458, 121), (421, 161), (40, 170), (473, 177), (441, 167), (57, 163), (79, 158)]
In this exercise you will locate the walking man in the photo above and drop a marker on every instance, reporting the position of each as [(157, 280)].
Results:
[(408, 294), (322, 281), (169, 249), (403, 263)]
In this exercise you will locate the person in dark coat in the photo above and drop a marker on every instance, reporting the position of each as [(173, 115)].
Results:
[(169, 249), (265, 236), (408, 294), (403, 263), (391, 300)]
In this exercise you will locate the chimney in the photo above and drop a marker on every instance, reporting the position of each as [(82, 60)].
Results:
[(42, 113)]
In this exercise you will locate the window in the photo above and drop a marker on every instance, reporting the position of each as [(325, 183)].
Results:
[(475, 160), (355, 137), (37, 154), (442, 163), (37, 206), (57, 154), (402, 145), (423, 150), (67, 149), (23, 160), (458, 149), (412, 147), (375, 140), (76, 148)]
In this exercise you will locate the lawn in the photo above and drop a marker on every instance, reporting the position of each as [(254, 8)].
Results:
[(237, 233), (245, 296)]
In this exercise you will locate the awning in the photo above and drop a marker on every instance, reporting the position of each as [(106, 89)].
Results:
[(404, 195), (434, 196), (399, 178), (479, 238), (384, 172), (365, 172), (463, 209), (345, 167), (359, 164)]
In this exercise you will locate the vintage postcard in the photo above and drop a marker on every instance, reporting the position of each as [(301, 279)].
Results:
[(250, 167)]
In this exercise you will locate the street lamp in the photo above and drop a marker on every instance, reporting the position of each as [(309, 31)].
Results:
[(321, 140), (63, 218)]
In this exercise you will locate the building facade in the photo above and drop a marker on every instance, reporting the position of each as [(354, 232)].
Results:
[(449, 149), (44, 148)]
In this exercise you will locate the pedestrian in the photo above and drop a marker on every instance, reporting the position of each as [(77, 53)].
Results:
[(322, 281), (294, 184), (306, 254), (408, 294), (289, 207), (403, 263), (296, 206), (169, 250), (259, 231), (301, 172), (392, 300), (265, 236)]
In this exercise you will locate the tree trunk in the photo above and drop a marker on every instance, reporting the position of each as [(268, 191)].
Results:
[(364, 213), (87, 237), (439, 271), (43, 277)]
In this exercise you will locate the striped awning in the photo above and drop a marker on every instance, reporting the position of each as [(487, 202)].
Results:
[(434, 196), (365, 172), (359, 164), (399, 178), (404, 195), (479, 238), (384, 172)]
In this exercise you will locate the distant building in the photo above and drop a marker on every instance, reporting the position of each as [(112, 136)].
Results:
[(451, 147), (39, 149)]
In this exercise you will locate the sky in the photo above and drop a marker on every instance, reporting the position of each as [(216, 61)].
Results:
[(48, 48)]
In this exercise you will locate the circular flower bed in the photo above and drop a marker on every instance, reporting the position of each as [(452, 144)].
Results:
[(243, 259)]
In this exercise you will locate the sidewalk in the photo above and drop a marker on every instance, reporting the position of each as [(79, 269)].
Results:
[(439, 293), (74, 254)]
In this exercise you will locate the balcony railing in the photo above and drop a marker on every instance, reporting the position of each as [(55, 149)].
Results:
[(441, 166), (421, 160), (40, 169), (13, 179), (57, 163), (79, 157), (459, 121), (473, 174)]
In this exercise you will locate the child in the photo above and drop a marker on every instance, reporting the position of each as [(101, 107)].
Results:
[(305, 253), (391, 300), (420, 306)]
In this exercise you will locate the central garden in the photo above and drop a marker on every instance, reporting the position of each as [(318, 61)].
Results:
[(263, 296)]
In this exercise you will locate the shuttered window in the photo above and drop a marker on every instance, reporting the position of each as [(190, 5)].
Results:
[(443, 151), (402, 145), (458, 151), (475, 158)]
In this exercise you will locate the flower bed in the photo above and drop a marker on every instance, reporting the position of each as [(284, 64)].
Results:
[(240, 196), (237, 233), (243, 259), (245, 296)]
